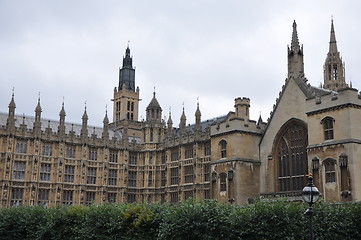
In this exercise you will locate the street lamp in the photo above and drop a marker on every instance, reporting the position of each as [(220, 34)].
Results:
[(310, 195)]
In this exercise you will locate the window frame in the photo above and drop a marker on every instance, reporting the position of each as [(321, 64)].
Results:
[(223, 148), (112, 177), (328, 128), (92, 175), (330, 170), (69, 173), (19, 170), (45, 172), (223, 182)]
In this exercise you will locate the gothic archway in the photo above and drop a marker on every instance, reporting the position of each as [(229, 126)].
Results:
[(291, 156)]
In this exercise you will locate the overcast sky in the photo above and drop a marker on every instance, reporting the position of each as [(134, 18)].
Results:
[(214, 50)]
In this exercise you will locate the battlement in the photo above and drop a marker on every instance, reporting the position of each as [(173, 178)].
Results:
[(344, 97)]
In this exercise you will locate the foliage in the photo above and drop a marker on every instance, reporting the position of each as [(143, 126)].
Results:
[(191, 219)]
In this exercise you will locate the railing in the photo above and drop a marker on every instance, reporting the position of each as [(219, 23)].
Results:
[(291, 195)]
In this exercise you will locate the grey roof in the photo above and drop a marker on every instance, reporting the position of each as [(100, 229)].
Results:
[(205, 124), (53, 124), (309, 90)]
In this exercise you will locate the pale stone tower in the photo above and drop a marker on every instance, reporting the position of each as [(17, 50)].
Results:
[(295, 56), (334, 70), (126, 97), (242, 107)]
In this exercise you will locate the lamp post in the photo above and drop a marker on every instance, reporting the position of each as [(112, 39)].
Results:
[(310, 195)]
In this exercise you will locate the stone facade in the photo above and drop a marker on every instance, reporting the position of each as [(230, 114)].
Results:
[(230, 158)]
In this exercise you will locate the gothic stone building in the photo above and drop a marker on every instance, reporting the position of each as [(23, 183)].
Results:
[(229, 158)]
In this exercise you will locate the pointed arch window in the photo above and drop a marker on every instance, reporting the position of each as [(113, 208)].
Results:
[(327, 123), (291, 155), (223, 148), (330, 173)]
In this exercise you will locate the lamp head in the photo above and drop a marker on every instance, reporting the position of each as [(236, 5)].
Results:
[(310, 193)]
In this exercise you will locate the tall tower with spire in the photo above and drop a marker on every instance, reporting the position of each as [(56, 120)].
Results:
[(334, 70), (126, 96), (295, 55)]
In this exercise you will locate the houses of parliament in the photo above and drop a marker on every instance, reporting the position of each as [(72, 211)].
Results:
[(230, 158)]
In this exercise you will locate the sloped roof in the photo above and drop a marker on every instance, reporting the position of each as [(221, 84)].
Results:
[(53, 124)]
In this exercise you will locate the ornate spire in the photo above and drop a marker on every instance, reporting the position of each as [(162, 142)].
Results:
[(84, 126), (62, 113), (183, 119), (12, 104), (105, 134), (38, 109), (127, 59), (37, 123), (106, 119), (10, 123), (61, 127), (295, 56), (127, 73), (333, 43), (170, 122), (295, 45), (334, 70), (198, 117), (85, 115), (260, 121)]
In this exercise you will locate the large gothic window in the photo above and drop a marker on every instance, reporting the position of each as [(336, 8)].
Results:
[(292, 157)]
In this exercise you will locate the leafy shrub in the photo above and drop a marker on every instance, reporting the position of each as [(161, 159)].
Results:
[(191, 219)]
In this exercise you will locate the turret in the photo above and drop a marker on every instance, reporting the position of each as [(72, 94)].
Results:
[(242, 106), (170, 124), (295, 56), (61, 127), (183, 122), (10, 123), (105, 134), (154, 111), (198, 118), (84, 126), (37, 123)]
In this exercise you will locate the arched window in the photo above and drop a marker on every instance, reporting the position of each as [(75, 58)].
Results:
[(223, 181), (327, 123), (291, 155), (330, 173), (223, 148)]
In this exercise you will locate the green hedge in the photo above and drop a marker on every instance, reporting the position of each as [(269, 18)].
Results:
[(189, 220)]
